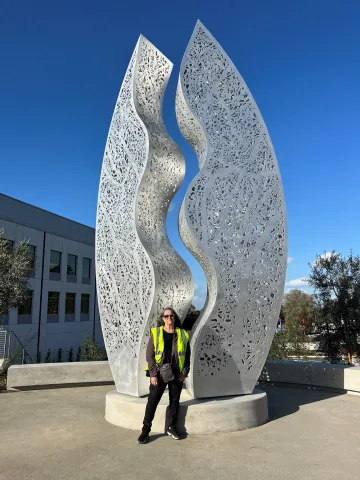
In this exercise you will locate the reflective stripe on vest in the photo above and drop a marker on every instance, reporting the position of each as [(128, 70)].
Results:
[(158, 337), (182, 341)]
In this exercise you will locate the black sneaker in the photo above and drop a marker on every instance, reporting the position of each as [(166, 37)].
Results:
[(173, 433), (144, 437)]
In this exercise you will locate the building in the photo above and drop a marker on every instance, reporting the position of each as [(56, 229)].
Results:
[(62, 308)]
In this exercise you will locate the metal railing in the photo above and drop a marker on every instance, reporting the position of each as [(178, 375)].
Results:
[(10, 345), (3, 344)]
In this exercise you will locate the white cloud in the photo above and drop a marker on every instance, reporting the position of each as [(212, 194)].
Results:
[(297, 283), (200, 295), (200, 288), (199, 301), (290, 260)]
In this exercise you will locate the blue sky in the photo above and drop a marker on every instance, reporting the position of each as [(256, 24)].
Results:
[(62, 65)]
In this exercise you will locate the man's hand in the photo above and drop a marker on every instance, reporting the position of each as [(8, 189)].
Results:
[(154, 381), (181, 378)]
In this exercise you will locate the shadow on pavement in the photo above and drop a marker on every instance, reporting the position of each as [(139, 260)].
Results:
[(286, 400), (155, 436)]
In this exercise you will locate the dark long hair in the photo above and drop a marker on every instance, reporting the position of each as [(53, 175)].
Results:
[(177, 319)]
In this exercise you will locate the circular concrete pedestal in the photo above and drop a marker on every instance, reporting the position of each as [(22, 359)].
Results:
[(196, 416)]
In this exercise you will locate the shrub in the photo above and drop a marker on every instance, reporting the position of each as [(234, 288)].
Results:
[(70, 354), (90, 351), (48, 356), (59, 355)]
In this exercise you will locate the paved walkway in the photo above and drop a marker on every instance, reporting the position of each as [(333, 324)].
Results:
[(60, 434)]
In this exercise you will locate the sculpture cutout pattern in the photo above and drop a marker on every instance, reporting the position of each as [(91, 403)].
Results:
[(232, 220), (138, 272)]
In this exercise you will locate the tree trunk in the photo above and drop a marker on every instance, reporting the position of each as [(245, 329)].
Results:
[(349, 355)]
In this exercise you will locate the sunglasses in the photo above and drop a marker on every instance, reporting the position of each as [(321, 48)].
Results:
[(168, 316)]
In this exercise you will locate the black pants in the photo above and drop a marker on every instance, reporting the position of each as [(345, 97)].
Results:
[(154, 398)]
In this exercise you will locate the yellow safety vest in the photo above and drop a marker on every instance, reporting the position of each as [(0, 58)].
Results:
[(157, 334)]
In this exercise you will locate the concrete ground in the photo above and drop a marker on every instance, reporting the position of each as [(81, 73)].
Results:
[(60, 434)]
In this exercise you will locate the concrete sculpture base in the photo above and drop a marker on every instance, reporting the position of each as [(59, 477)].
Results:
[(200, 416)]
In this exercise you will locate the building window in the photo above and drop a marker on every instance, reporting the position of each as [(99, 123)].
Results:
[(85, 307), (71, 264), (55, 261), (4, 320), (70, 304), (9, 243), (26, 307), (85, 303), (25, 310), (53, 303), (32, 253), (86, 270)]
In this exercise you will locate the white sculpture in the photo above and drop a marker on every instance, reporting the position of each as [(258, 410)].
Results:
[(138, 272), (233, 220)]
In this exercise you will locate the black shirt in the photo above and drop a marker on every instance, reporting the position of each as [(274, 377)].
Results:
[(168, 343), (150, 358)]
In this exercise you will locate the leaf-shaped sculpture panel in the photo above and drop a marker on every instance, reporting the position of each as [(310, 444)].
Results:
[(138, 271), (232, 220)]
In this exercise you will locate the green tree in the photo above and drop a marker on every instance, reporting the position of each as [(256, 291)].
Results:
[(16, 266), (299, 311), (281, 314), (279, 347), (190, 318), (336, 282), (298, 315)]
